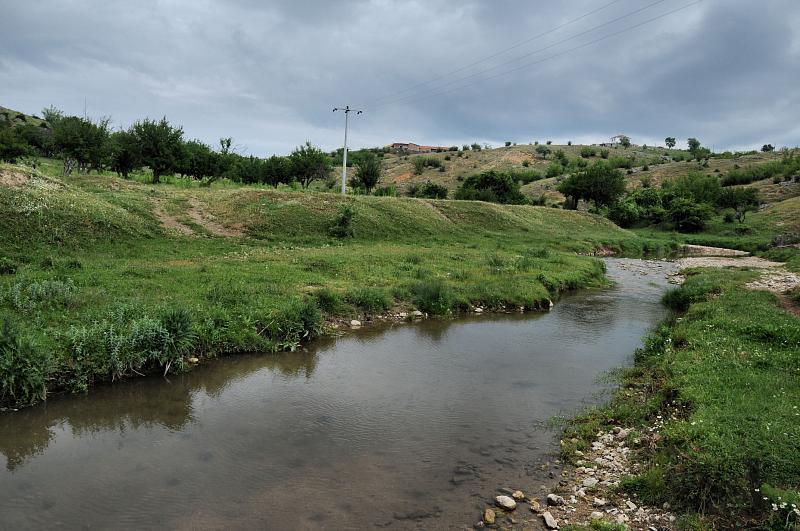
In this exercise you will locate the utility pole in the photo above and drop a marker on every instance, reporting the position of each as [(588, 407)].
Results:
[(347, 110)]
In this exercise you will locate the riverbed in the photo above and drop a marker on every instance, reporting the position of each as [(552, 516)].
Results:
[(407, 426)]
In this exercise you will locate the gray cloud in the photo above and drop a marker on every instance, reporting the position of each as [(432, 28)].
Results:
[(268, 73)]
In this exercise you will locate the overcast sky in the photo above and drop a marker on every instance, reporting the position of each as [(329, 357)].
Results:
[(268, 73)]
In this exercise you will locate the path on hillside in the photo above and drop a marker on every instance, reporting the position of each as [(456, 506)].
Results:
[(197, 213)]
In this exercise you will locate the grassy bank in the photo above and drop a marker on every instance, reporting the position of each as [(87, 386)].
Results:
[(105, 278), (723, 379)]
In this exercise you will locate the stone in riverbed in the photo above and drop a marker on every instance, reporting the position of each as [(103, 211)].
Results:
[(535, 506), (416, 313), (194, 360), (355, 323), (518, 495), (554, 499), (489, 516), (506, 503), (549, 521)]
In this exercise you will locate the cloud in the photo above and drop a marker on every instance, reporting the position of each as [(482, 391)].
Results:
[(268, 74)]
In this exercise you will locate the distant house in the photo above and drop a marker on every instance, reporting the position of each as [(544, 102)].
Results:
[(410, 147)]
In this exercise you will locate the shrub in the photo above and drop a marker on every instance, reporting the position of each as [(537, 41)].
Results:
[(599, 183), (526, 163), (689, 216), (23, 368), (43, 294), (433, 296), (300, 321), (621, 162), (588, 151), (419, 165), (543, 151), (604, 153), (329, 301), (182, 338), (492, 186), (342, 226), (508, 143), (729, 216), (371, 300), (388, 191), (428, 190), (625, 213)]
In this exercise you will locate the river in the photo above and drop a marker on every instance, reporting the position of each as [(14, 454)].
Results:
[(409, 426)]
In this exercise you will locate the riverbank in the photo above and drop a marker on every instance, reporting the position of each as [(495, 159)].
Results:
[(104, 278), (704, 429)]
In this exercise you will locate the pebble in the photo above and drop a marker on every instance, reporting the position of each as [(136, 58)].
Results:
[(554, 499), (355, 323), (536, 506), (489, 516), (596, 515), (518, 495), (590, 482), (194, 360), (506, 502)]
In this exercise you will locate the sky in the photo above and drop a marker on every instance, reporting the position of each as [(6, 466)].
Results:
[(440, 72)]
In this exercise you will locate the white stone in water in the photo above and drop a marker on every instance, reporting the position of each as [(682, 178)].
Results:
[(417, 313), (355, 323), (506, 502)]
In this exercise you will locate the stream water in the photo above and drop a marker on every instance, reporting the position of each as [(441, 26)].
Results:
[(412, 426)]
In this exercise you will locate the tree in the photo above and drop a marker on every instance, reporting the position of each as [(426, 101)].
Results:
[(52, 115), (599, 183), (670, 142), (742, 200), (625, 142), (508, 143), (689, 216), (476, 147), (277, 170), (697, 186), (428, 190), (492, 186), (160, 145), (543, 151), (81, 142), (12, 146), (308, 164), (368, 172), (124, 154), (766, 148), (693, 144), (199, 161)]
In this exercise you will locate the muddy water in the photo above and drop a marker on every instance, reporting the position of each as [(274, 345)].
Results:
[(408, 427)]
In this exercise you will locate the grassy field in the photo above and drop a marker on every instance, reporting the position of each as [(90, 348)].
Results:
[(105, 278), (723, 380)]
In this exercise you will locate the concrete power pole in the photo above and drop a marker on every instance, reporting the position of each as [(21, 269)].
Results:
[(347, 110)]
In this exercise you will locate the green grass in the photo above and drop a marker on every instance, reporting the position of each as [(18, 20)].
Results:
[(725, 377), (92, 277)]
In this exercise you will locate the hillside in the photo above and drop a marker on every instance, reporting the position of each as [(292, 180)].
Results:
[(15, 118), (104, 278)]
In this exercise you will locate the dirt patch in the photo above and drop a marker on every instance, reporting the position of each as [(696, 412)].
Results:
[(207, 221), (167, 221), (13, 179), (750, 262)]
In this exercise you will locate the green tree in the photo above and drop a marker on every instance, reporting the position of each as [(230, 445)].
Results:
[(625, 142), (368, 172), (766, 148), (308, 164), (599, 183), (543, 151), (124, 155), (693, 144), (492, 186), (160, 145), (670, 142), (742, 200), (199, 161), (52, 115), (81, 142), (12, 147), (689, 216), (427, 190)]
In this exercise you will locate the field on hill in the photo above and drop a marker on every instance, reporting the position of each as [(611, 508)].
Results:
[(105, 278)]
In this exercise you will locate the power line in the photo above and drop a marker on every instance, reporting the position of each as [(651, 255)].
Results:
[(499, 52), (529, 54), (416, 97)]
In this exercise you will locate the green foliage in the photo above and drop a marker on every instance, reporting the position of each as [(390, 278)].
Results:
[(699, 187), (492, 186), (420, 163), (160, 146), (688, 216), (621, 162), (308, 163), (124, 153), (342, 226), (433, 296), (7, 266), (604, 153), (788, 166), (767, 148), (476, 147), (588, 151), (386, 191), (23, 368), (599, 183), (330, 301), (543, 151), (370, 300), (81, 142), (427, 190), (670, 142), (12, 146), (28, 296)]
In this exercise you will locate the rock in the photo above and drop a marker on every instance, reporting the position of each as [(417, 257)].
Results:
[(489, 516), (194, 360), (631, 505), (478, 310), (621, 434), (549, 521), (506, 503), (599, 502), (536, 506), (554, 499), (355, 323), (402, 315), (416, 313), (590, 482), (518, 495), (596, 515)]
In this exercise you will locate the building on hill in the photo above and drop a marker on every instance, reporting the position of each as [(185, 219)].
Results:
[(619, 139), (410, 147)]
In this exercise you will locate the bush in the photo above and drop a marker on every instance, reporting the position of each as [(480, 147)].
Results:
[(433, 296), (42, 294), (729, 216), (543, 151), (588, 151), (621, 162), (689, 216), (388, 191), (300, 321), (428, 190), (526, 163), (625, 213), (342, 226), (329, 301), (604, 153), (492, 186), (371, 300), (23, 368)]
